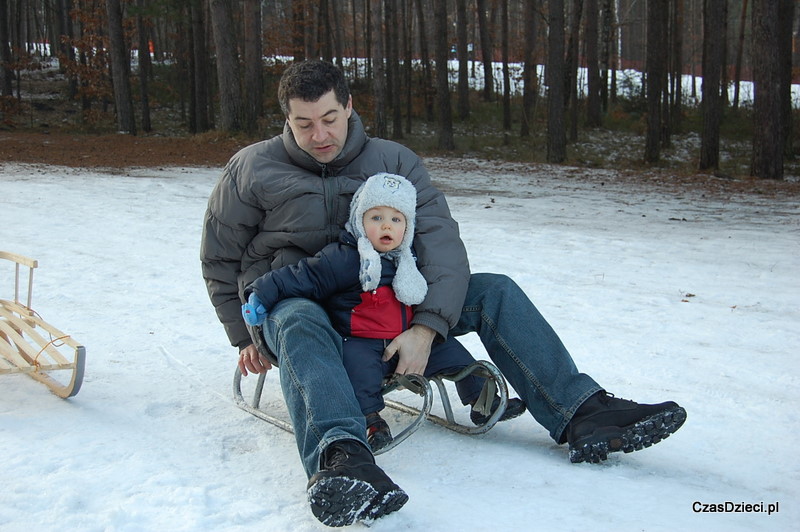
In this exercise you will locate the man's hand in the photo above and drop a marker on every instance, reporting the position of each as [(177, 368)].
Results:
[(413, 346), (250, 360)]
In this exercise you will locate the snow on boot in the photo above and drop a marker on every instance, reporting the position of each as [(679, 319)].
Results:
[(514, 408), (350, 487), (605, 424)]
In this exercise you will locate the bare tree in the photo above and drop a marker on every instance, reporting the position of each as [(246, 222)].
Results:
[(120, 69), (145, 66), (253, 69), (506, 72), (556, 131), (593, 103), (656, 77), (768, 123), (714, 13), (427, 77), (785, 18), (446, 141), (463, 60), (530, 84), (486, 51), (227, 65), (6, 74), (378, 69), (200, 117)]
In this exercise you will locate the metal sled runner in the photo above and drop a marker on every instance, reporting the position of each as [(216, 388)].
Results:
[(418, 385), (30, 345)]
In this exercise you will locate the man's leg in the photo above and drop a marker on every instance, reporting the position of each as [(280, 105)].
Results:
[(344, 484), (526, 349), (571, 405)]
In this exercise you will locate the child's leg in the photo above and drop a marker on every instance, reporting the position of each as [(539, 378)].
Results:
[(362, 361), (449, 358)]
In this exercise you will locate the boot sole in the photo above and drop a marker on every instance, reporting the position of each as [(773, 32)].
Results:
[(341, 501), (595, 447)]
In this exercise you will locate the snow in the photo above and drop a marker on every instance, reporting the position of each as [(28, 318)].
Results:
[(658, 296)]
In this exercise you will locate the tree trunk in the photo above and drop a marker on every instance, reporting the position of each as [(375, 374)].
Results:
[(227, 65), (200, 77), (120, 69), (556, 134), (427, 77), (571, 76), (606, 33), (393, 63), (785, 18), (144, 66), (6, 74), (446, 141), (486, 51), (656, 76), (463, 60), (713, 15), (378, 70), (593, 113), (253, 64), (506, 73), (529, 78), (737, 74), (768, 123)]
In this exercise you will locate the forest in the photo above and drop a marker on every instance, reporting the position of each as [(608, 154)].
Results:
[(534, 75)]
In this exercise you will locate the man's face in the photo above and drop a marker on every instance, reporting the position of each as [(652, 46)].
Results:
[(320, 128)]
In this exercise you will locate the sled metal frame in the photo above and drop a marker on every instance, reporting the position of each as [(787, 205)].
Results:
[(32, 346), (495, 382)]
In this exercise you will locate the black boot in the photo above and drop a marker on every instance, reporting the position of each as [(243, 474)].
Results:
[(378, 433), (349, 486), (604, 424), (514, 408)]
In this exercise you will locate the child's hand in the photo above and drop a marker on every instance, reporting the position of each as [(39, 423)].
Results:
[(253, 311)]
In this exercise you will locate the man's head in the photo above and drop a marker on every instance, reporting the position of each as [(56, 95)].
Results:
[(316, 101)]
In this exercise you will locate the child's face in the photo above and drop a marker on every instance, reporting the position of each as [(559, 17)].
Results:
[(385, 228)]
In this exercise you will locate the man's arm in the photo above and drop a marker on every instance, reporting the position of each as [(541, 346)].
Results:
[(230, 224)]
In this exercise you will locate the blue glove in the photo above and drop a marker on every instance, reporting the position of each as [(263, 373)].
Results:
[(253, 311)]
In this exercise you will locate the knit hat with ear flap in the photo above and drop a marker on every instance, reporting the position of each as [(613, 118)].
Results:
[(397, 192)]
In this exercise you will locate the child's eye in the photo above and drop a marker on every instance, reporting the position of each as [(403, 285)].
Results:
[(396, 220)]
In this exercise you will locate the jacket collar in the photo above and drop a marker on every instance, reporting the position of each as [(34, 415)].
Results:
[(356, 138)]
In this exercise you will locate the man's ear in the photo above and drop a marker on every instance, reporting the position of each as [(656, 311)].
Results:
[(349, 108)]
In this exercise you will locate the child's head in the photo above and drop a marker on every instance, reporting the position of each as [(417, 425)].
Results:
[(383, 211), (382, 216)]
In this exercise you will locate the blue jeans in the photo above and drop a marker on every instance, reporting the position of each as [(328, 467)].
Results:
[(321, 401)]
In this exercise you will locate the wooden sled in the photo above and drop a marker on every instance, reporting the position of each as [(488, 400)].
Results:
[(30, 345), (495, 383)]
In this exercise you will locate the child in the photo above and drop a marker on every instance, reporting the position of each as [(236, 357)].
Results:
[(368, 283)]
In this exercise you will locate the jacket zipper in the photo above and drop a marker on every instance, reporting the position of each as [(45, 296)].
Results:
[(329, 194)]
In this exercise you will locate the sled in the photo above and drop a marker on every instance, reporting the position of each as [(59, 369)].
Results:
[(32, 346), (416, 384)]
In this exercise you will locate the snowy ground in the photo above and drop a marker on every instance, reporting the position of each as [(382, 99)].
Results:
[(657, 296)]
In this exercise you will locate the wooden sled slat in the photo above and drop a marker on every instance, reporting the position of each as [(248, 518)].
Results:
[(32, 346)]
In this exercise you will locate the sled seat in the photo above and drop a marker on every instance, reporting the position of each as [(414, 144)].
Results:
[(34, 347), (495, 385)]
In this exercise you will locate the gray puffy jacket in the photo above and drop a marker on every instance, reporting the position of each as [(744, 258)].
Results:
[(275, 204)]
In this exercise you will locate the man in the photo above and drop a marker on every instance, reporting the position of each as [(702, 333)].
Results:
[(284, 199)]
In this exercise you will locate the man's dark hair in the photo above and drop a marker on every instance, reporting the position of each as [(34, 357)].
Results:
[(309, 81)]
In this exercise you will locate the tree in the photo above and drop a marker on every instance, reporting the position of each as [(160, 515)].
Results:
[(486, 51), (463, 62), (227, 65), (253, 70), (427, 77), (145, 67), (656, 77), (506, 72), (6, 74), (556, 132), (593, 103), (446, 141), (378, 70), (120, 69), (714, 13), (200, 108), (768, 124), (530, 85)]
